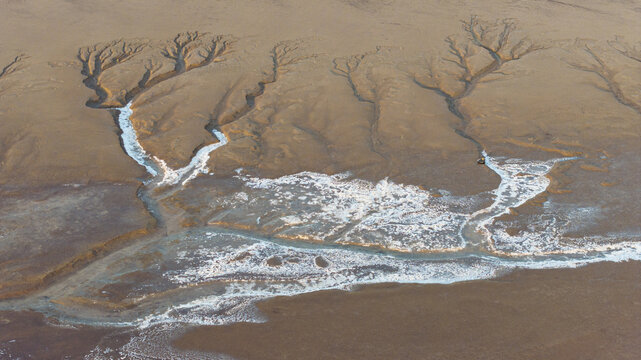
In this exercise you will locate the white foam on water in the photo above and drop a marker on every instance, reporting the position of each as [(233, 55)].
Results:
[(130, 140), (248, 276), (153, 343), (521, 181), (197, 165), (338, 209)]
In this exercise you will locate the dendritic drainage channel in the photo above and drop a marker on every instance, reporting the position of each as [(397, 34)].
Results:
[(336, 209), (316, 232), (161, 173), (312, 232)]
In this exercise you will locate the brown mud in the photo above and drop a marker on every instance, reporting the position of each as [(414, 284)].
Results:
[(400, 89), (591, 312)]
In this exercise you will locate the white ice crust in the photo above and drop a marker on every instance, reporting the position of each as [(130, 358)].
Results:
[(245, 267), (250, 277)]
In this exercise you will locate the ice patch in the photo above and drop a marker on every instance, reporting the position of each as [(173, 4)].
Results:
[(248, 279), (546, 233), (153, 343), (341, 210), (521, 181)]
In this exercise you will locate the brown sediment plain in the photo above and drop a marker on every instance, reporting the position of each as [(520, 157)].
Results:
[(50, 231), (402, 89), (592, 312), (587, 313), (29, 335)]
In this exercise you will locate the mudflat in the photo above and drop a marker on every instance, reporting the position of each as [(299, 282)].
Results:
[(168, 165), (587, 313)]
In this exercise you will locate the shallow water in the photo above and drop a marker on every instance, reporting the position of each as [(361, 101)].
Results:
[(130, 143), (161, 173), (307, 232), (312, 231)]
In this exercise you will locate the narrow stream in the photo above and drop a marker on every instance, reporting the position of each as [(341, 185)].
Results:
[(161, 173), (130, 143), (355, 212), (521, 181), (313, 232)]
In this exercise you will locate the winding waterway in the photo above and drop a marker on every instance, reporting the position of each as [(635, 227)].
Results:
[(312, 232)]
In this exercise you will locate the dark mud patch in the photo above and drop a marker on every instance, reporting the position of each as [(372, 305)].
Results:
[(45, 231)]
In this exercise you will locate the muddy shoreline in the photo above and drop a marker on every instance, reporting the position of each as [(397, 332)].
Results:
[(589, 312), (293, 146)]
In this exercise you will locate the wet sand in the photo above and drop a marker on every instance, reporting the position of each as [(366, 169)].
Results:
[(29, 335), (32, 217), (406, 90), (592, 312)]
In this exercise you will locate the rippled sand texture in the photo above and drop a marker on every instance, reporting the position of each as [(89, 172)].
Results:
[(169, 164)]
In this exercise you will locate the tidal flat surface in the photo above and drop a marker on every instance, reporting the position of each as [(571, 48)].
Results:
[(164, 181)]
